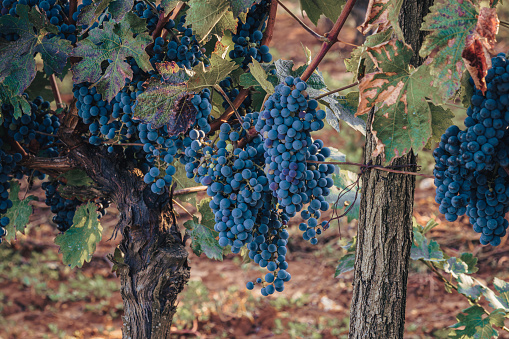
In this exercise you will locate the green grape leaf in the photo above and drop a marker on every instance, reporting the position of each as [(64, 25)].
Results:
[(424, 249), (207, 216), (346, 264), (315, 8), (167, 101), (204, 16), (219, 68), (18, 102), (441, 119), (261, 77), (77, 177), (17, 63), (111, 44), (241, 6), (39, 86), (403, 120), (344, 193), (382, 14), (248, 80), (203, 240), (467, 90), (90, 13), (429, 226), (225, 25), (476, 324), (454, 26), (19, 213), (284, 68), (469, 286), (359, 63), (79, 242), (465, 264), (169, 5)]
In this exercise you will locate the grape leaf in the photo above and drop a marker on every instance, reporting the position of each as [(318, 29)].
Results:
[(39, 86), (422, 249), (382, 14), (464, 264), (113, 44), (203, 16), (403, 120), (453, 24), (204, 240), (469, 286), (117, 8), (79, 242), (241, 6), (77, 177), (343, 194), (476, 56), (169, 5), (476, 325), (19, 213), (207, 216), (219, 68), (441, 119), (261, 77), (315, 8), (17, 63), (18, 102), (502, 300), (346, 264)]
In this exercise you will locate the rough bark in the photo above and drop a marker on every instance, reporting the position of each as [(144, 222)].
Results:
[(385, 225), (154, 269)]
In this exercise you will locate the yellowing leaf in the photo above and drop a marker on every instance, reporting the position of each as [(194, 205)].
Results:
[(382, 14)]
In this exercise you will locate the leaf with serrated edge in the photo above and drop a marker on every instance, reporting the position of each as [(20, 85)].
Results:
[(113, 42), (219, 69), (476, 325), (204, 240), (77, 177), (469, 286), (241, 6), (315, 8), (119, 8), (403, 120), (203, 16), (79, 242), (441, 119), (19, 213), (90, 13), (207, 216), (261, 77), (382, 14), (17, 63), (346, 264), (18, 102), (451, 23), (427, 250), (342, 180)]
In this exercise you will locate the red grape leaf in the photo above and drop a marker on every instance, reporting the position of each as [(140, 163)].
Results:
[(382, 14), (113, 44), (403, 119), (166, 101), (454, 26), (475, 55), (17, 63)]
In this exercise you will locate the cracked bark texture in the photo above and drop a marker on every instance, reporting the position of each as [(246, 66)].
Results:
[(385, 224), (154, 269)]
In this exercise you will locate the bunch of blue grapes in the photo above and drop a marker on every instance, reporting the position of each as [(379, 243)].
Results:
[(469, 170), (249, 36), (7, 169), (55, 11), (285, 124), (64, 209)]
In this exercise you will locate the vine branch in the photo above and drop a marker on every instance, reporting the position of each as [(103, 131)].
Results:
[(190, 190), (336, 90), (232, 106), (55, 90), (73, 7), (333, 38)]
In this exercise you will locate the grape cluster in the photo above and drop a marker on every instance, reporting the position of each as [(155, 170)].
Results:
[(64, 209), (469, 173), (7, 168), (55, 11), (249, 36)]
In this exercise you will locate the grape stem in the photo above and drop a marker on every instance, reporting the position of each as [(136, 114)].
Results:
[(336, 90), (244, 92), (190, 190), (151, 5), (56, 91), (306, 27), (60, 164), (377, 167), (220, 91), (18, 148), (333, 38), (180, 205)]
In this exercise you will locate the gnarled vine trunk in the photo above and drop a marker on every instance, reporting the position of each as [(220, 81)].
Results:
[(154, 267), (385, 225)]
